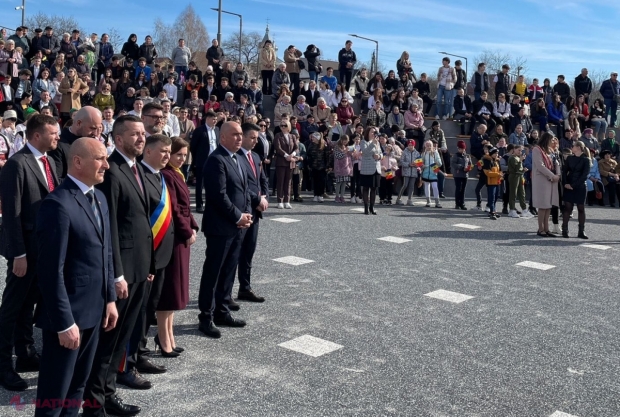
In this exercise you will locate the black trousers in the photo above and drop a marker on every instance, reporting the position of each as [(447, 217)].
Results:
[(459, 194), (267, 75), (199, 186), (248, 247), (345, 76), (429, 103), (64, 372), (111, 349), (318, 182), (16, 313), (218, 274), (356, 189), (294, 83)]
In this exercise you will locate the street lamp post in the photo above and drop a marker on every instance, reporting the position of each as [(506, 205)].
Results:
[(376, 49), (219, 23), (219, 35), (23, 9), (458, 56)]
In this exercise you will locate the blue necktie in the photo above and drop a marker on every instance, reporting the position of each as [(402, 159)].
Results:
[(93, 205)]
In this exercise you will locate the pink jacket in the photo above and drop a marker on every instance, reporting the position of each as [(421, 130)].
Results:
[(413, 120), (388, 162), (343, 167)]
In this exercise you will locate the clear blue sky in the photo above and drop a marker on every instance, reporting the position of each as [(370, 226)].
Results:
[(555, 36)]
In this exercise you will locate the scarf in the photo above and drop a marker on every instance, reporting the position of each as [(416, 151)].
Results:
[(546, 159), (178, 171)]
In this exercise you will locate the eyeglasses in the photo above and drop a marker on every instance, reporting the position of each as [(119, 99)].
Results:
[(155, 117), (268, 122), (262, 125)]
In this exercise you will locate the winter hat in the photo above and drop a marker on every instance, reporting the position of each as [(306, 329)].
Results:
[(461, 144), (411, 142), (588, 131), (493, 150)]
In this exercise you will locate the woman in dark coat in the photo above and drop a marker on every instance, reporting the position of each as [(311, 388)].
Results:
[(574, 175), (175, 289)]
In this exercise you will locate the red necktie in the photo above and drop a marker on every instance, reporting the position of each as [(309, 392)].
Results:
[(135, 173), (48, 173), (252, 164)]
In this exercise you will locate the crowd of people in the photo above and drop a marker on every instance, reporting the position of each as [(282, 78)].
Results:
[(96, 156)]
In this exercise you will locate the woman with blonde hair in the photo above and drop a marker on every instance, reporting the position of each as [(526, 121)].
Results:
[(431, 161), (574, 176), (285, 150), (404, 67), (322, 111)]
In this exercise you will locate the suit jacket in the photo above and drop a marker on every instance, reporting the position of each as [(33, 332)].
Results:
[(260, 150), (163, 253), (280, 147), (226, 193), (37, 106), (75, 268), (22, 188), (132, 240), (199, 145), (458, 105), (257, 185), (311, 97)]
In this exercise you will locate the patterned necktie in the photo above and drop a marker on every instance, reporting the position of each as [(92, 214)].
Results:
[(48, 174), (93, 205), (134, 169), (252, 164)]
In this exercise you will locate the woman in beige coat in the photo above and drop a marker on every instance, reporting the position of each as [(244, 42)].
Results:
[(545, 178), (267, 65), (71, 88), (291, 59)]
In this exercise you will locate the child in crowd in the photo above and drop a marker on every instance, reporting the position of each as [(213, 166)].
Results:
[(516, 182), (482, 179), (490, 167), (410, 172), (343, 168), (212, 104), (461, 165), (171, 90), (431, 161), (534, 91), (389, 166), (424, 91)]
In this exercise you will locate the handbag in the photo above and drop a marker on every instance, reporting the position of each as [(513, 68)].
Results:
[(301, 64)]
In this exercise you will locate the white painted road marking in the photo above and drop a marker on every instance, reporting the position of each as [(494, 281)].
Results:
[(467, 226), (595, 246), (311, 346), (535, 265), (394, 239), (293, 260), (284, 220), (451, 296)]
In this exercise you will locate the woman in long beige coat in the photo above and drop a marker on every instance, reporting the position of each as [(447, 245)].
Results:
[(545, 177), (267, 65), (291, 59), (71, 88)]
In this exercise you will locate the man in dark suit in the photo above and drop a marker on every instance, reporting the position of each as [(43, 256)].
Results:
[(26, 179), (203, 142), (226, 219), (76, 277), (155, 157), (132, 246), (86, 122), (45, 101), (312, 94), (258, 186)]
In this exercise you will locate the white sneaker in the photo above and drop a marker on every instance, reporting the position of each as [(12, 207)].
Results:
[(437, 117), (280, 205), (353, 200), (316, 199), (445, 117), (288, 206), (478, 208), (410, 202), (513, 214), (487, 209), (400, 202), (556, 229), (320, 200), (526, 214)]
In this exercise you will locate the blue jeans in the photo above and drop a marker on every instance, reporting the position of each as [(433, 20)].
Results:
[(612, 107), (179, 70), (492, 196), (313, 75), (476, 96), (448, 97)]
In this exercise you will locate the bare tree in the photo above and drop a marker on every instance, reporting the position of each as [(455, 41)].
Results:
[(115, 39), (164, 38), (188, 26), (494, 59), (250, 47), (597, 76), (60, 24)]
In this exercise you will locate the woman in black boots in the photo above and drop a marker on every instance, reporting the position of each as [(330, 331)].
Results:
[(574, 174)]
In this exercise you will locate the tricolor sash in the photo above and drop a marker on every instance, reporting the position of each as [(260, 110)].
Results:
[(160, 219)]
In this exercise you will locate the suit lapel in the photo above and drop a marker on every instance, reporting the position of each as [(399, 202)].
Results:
[(85, 204), (124, 167), (232, 165), (34, 166), (152, 179)]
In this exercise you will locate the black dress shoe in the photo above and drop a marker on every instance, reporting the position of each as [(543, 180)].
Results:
[(229, 321), (233, 306), (250, 296), (11, 381), (27, 363), (116, 407), (209, 329), (145, 366), (133, 379)]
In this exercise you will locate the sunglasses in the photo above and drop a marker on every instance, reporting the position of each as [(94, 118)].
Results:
[(284, 126), (262, 125)]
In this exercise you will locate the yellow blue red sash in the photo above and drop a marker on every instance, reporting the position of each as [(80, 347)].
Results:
[(160, 219)]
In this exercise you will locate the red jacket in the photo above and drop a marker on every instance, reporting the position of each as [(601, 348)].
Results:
[(344, 114)]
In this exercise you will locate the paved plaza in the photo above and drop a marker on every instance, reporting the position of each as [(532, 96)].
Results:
[(413, 312)]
